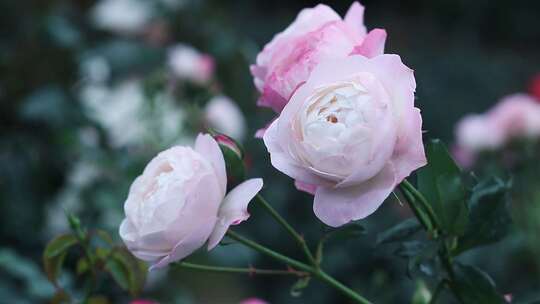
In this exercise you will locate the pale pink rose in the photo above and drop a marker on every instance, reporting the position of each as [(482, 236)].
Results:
[(349, 135), (476, 132), (516, 115), (253, 301), (317, 34), (187, 63), (178, 204), (224, 115)]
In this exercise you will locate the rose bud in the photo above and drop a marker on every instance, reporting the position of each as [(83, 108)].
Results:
[(178, 203), (234, 157), (317, 34), (225, 141), (349, 135)]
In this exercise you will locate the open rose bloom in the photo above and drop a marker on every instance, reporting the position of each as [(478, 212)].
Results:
[(316, 35), (178, 204), (349, 135)]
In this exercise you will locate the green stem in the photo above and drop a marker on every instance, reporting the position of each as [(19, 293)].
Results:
[(446, 261), (269, 252), (427, 207), (416, 209), (299, 239), (323, 276), (317, 272), (250, 270)]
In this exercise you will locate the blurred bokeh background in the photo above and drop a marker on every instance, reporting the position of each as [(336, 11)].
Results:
[(87, 98)]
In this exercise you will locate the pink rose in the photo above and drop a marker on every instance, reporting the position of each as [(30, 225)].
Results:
[(317, 34), (179, 203), (517, 115), (349, 135), (187, 63), (477, 133)]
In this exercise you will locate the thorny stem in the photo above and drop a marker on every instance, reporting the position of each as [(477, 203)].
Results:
[(299, 239), (249, 270), (315, 271)]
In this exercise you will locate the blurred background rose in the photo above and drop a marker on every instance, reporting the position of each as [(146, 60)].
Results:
[(88, 96)]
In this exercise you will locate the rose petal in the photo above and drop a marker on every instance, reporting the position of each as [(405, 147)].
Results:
[(309, 188), (336, 207), (285, 163), (129, 237), (373, 44), (209, 148), (355, 18), (187, 245), (409, 153), (233, 209)]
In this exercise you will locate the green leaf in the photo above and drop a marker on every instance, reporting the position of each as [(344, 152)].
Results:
[(59, 245), (411, 248), (399, 232), (490, 219), (440, 182), (102, 253), (54, 255), (104, 236), (298, 287), (474, 286), (82, 266), (128, 272), (53, 267), (119, 272), (234, 165)]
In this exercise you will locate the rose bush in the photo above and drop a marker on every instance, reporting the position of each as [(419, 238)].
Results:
[(179, 203), (349, 135), (317, 34)]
